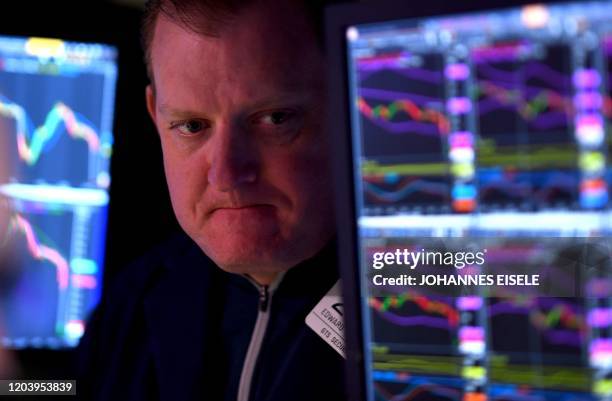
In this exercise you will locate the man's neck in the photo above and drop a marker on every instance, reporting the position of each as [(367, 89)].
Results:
[(264, 278)]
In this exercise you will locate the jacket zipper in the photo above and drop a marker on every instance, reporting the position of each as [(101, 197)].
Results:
[(257, 337)]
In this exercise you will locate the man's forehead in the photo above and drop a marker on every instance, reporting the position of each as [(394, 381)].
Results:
[(255, 60)]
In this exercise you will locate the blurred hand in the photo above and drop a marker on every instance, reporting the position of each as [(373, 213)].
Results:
[(4, 174), (7, 360)]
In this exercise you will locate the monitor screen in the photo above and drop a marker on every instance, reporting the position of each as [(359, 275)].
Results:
[(56, 119), (481, 165)]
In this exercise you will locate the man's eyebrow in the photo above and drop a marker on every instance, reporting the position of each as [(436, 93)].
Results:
[(168, 111), (278, 99)]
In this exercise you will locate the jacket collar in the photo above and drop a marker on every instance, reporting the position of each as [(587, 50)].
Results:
[(180, 308)]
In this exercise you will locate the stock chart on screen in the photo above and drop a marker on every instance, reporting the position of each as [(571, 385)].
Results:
[(487, 130), (56, 117)]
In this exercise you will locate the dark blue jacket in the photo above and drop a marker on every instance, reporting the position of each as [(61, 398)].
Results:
[(175, 327)]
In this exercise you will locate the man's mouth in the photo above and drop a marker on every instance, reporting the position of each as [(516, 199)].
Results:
[(238, 208), (244, 206)]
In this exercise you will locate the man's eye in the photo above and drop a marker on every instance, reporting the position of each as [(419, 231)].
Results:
[(189, 127), (277, 117), (278, 126)]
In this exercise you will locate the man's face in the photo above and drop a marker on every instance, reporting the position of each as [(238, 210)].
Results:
[(241, 121)]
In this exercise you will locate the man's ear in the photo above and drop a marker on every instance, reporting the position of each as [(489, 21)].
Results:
[(150, 98)]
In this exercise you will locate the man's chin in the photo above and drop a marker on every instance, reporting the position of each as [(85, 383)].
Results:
[(244, 255), (257, 273), (253, 266)]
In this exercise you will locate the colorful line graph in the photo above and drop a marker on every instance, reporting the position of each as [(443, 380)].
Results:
[(430, 76), (40, 251), (424, 303), (401, 63), (30, 147), (538, 70), (560, 324), (386, 113), (405, 188), (419, 392), (393, 95), (538, 185), (544, 156), (560, 314), (529, 109), (373, 168)]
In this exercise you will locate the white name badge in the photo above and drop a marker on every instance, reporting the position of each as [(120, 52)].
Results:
[(327, 319)]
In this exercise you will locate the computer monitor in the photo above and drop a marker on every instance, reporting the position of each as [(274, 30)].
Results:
[(461, 131), (56, 121)]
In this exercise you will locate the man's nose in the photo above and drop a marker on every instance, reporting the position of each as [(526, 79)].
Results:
[(232, 158)]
